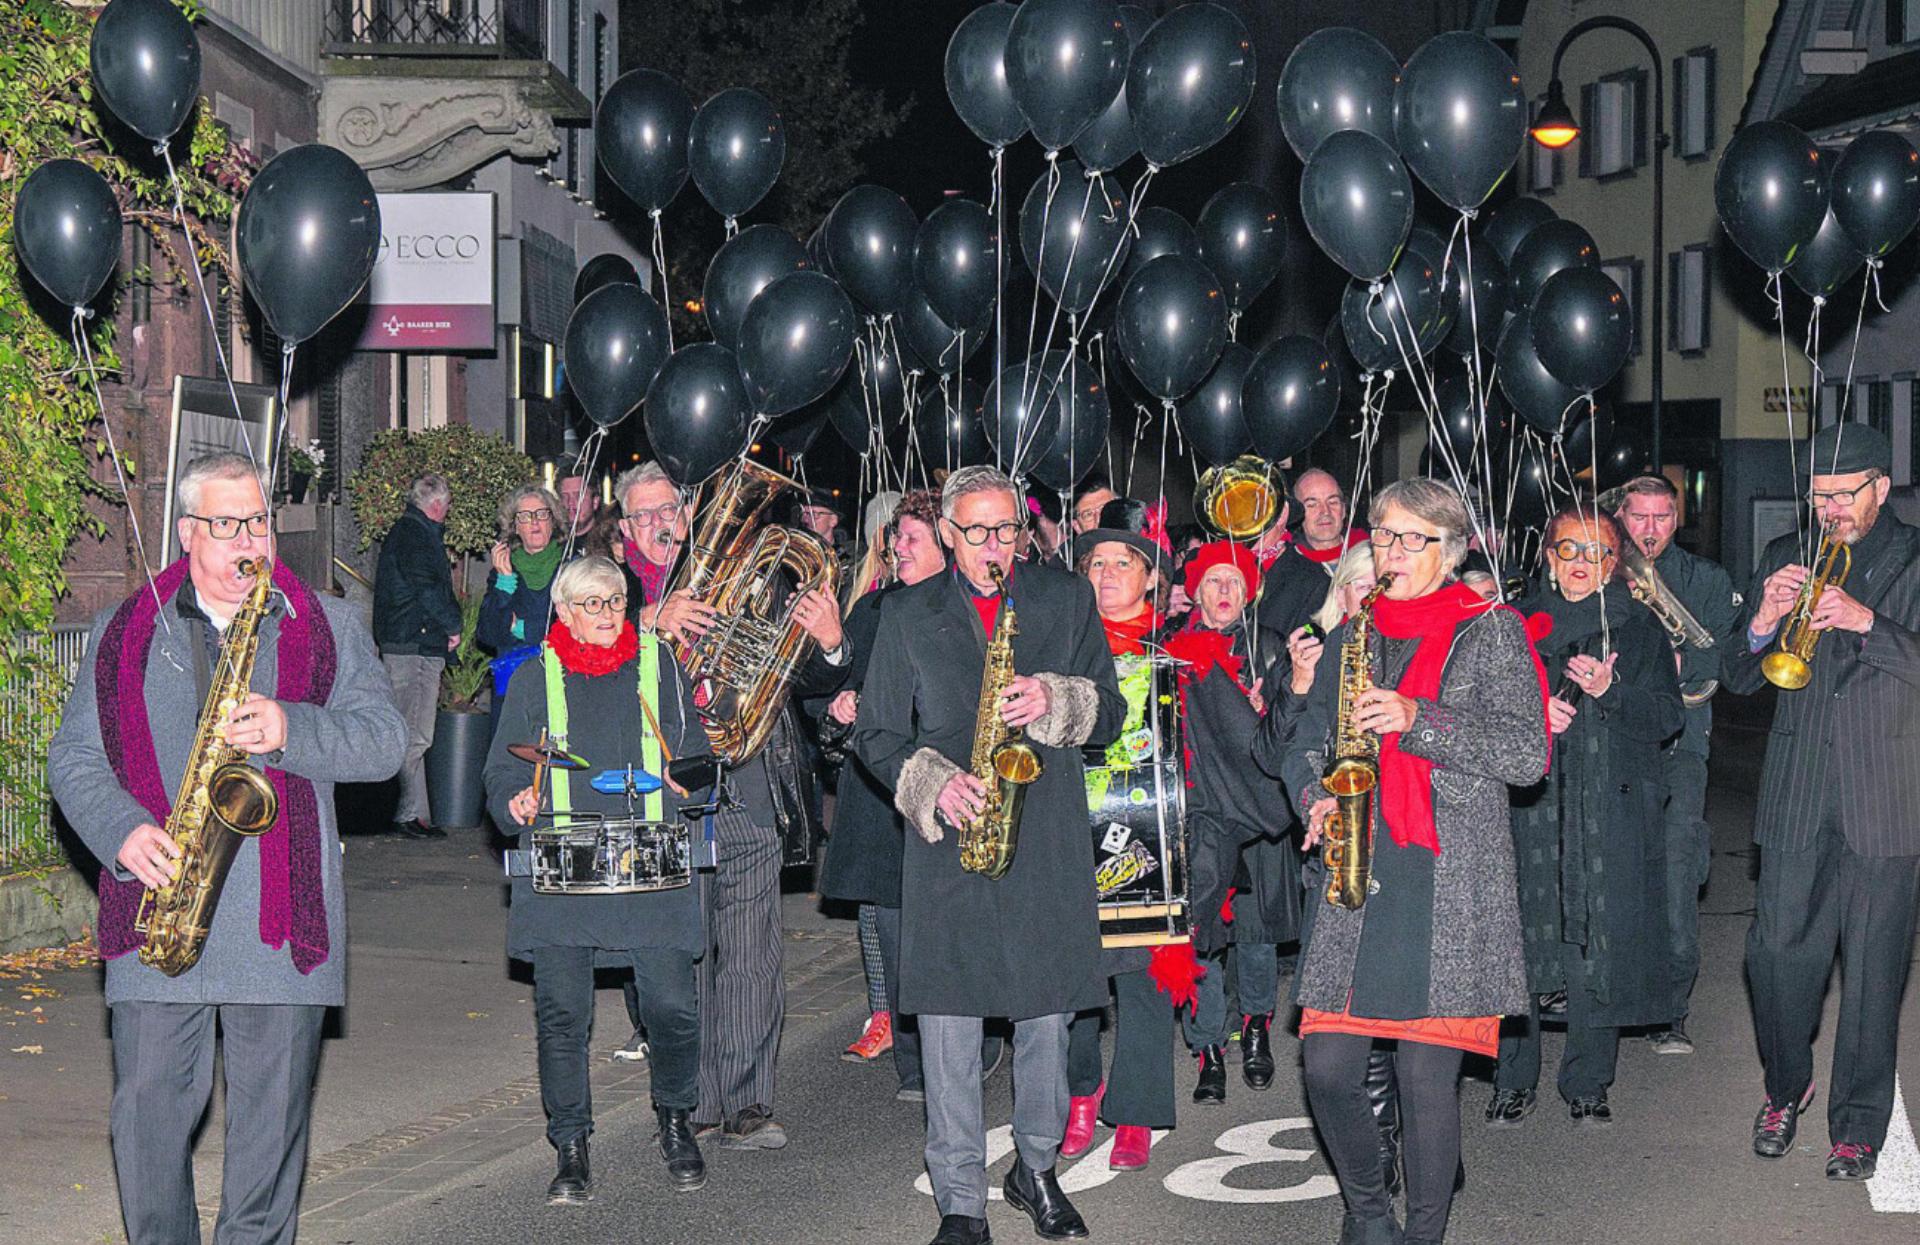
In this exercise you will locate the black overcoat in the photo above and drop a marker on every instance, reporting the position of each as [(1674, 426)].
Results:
[(1027, 944), (863, 848)]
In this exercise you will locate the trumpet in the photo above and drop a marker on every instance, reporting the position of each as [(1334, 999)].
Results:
[(1791, 665)]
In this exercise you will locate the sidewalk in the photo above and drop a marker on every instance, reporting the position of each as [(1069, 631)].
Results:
[(427, 1074)]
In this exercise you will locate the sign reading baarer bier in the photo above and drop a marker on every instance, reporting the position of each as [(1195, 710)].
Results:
[(432, 284)]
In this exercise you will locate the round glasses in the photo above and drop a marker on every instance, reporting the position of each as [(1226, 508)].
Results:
[(658, 516), (593, 605), (1589, 551), (976, 534)]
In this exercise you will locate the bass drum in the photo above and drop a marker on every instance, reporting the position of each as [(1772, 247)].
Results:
[(1137, 806)]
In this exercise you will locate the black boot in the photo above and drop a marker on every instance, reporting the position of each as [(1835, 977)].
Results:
[(1383, 1095), (1256, 1052), (1212, 1088), (573, 1183), (685, 1167), (1039, 1195)]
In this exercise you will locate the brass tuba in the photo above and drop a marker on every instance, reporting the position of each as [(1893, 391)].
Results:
[(1353, 771), (742, 669), (1791, 665), (1240, 500), (222, 802), (1004, 762)]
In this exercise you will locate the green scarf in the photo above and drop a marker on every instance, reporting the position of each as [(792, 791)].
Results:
[(536, 570)]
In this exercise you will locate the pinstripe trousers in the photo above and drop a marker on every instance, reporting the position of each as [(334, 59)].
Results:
[(743, 998)]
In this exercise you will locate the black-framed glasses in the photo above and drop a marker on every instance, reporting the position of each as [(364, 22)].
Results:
[(1412, 542), (1590, 551), (542, 515), (658, 516), (227, 527), (976, 534), (1843, 496), (593, 605)]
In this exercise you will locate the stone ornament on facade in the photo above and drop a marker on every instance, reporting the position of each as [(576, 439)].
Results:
[(413, 133)]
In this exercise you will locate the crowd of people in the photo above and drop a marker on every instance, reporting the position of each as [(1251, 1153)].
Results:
[(1536, 823)]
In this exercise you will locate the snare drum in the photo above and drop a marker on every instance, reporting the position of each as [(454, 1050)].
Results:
[(617, 856)]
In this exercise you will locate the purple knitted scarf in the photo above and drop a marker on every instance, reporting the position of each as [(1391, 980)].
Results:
[(292, 899)]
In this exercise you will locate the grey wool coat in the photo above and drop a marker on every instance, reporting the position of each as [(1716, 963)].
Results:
[(1442, 935), (357, 736), (1027, 944)]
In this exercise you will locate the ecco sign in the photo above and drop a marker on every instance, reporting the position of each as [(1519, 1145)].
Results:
[(429, 246), (433, 282)]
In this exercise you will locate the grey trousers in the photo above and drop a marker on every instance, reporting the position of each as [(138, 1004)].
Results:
[(1688, 845), (416, 694), (956, 1123), (743, 996), (162, 1082)]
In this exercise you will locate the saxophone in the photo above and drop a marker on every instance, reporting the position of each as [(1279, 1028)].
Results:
[(1004, 762), (1354, 768), (222, 801)]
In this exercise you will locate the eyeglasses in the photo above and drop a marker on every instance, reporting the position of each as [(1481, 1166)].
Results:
[(226, 527), (1591, 551), (593, 605), (659, 516), (1844, 496), (976, 533), (542, 515), (1412, 542)]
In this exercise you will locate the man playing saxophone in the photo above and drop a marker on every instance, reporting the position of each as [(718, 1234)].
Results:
[(320, 711), (1839, 840), (1024, 945)]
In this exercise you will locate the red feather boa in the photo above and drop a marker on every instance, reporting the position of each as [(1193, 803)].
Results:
[(579, 658)]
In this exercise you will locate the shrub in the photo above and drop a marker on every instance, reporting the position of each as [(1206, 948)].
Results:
[(479, 468)]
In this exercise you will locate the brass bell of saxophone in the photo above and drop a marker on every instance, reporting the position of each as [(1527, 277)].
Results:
[(1353, 770), (1790, 667)]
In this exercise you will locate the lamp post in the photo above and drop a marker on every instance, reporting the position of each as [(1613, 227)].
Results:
[(1556, 127)]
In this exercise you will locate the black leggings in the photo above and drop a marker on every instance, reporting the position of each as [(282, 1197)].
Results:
[(1429, 1077)]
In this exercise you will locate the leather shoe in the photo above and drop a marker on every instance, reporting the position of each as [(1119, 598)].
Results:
[(573, 1183), (1256, 1052), (1508, 1107), (960, 1230), (1132, 1143), (685, 1167), (1590, 1110), (751, 1128), (1775, 1126), (1211, 1090), (1382, 1231), (417, 829), (1039, 1195), (1083, 1113), (1850, 1161)]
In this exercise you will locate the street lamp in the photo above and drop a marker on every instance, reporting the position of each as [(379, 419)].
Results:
[(1555, 128)]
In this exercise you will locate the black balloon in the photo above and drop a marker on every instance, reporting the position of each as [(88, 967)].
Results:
[(1336, 78), (817, 249), (1171, 325), (1511, 222), (604, 269), (976, 74), (1529, 496), (872, 393), (1432, 302), (1460, 116), (1080, 435), (1537, 395), (146, 65), (696, 414), (744, 265), (1358, 202), (1582, 330), (795, 341), (1020, 416), (1109, 141), (66, 226), (1826, 262), (1549, 247), (1213, 417), (1066, 61), (1159, 231), (951, 432), (307, 234), (796, 433), (1468, 434), (870, 245), (642, 128), (616, 342), (1484, 301), (1243, 238), (1190, 83), (1622, 455), (1771, 192), (1876, 191), (1407, 318), (1290, 396), (1075, 245), (956, 260), (735, 148), (932, 345)]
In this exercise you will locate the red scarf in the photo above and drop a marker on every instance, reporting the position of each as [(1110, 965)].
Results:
[(1127, 637), (1202, 650), (577, 657), (1406, 781), (1330, 555)]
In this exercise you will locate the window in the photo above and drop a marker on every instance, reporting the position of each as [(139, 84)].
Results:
[(1543, 163), (1687, 312), (1626, 273), (236, 116), (1693, 104), (1903, 21), (1614, 111), (1878, 410), (1833, 403), (601, 51), (1913, 432)]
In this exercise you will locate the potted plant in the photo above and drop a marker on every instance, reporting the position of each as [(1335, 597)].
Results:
[(304, 464), (479, 469)]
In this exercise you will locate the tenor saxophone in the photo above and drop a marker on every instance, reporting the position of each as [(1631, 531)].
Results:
[(1004, 762), (1353, 769), (222, 802)]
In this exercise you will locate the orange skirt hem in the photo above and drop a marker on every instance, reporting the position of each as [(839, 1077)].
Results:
[(1477, 1035)]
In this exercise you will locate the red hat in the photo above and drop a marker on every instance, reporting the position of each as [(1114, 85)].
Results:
[(1223, 553)]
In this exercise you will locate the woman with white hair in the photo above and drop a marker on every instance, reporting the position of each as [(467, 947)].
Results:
[(515, 609)]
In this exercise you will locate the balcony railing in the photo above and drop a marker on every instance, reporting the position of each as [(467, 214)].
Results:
[(509, 29)]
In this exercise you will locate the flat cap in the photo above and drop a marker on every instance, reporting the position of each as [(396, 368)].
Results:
[(1846, 447)]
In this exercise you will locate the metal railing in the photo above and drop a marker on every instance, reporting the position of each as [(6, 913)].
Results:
[(513, 29), (27, 837)]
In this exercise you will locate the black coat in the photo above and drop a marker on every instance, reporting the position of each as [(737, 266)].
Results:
[(864, 846), (414, 609), (1291, 591), (1027, 944)]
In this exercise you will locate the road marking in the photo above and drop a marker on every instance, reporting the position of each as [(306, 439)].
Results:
[(1090, 1172), (1895, 1186)]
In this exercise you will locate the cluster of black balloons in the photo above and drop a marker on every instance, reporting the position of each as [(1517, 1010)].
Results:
[(308, 228), (651, 138), (1817, 216)]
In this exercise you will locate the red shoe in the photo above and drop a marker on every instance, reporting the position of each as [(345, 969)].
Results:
[(1131, 1145), (875, 1040), (1081, 1116)]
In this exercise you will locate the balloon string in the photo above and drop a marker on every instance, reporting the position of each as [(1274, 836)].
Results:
[(206, 303), (84, 348), (1775, 296), (660, 266), (1233, 326), (1859, 321), (1039, 266), (731, 226), (999, 208), (1073, 251), (1873, 275)]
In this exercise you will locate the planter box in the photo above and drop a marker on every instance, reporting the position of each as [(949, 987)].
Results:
[(455, 767), (49, 910)]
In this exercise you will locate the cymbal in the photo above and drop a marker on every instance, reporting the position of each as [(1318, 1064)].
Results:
[(546, 754)]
